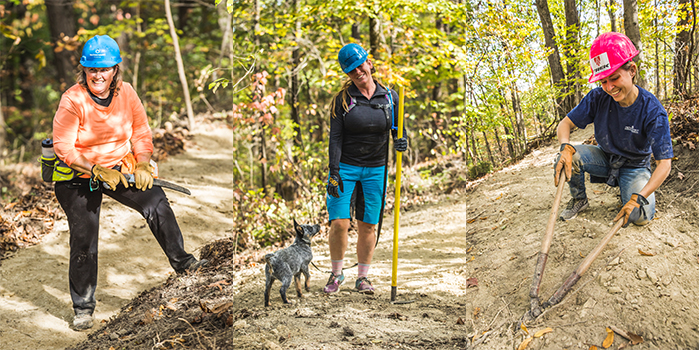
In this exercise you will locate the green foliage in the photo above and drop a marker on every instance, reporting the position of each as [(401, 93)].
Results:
[(479, 170)]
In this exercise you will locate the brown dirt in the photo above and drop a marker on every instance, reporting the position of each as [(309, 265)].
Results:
[(654, 295)]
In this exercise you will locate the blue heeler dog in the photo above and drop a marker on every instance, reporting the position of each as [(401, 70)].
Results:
[(290, 262)]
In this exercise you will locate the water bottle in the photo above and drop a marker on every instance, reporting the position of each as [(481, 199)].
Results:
[(48, 160)]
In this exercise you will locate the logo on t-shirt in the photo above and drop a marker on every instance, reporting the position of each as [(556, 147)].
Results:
[(600, 63), (631, 129)]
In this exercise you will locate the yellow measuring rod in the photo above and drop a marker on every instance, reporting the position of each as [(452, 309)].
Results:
[(397, 201)]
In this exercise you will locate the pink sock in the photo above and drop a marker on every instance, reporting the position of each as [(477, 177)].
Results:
[(337, 267), (362, 270)]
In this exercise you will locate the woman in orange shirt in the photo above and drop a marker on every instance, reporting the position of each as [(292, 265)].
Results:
[(100, 131)]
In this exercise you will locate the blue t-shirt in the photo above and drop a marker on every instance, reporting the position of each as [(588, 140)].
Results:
[(633, 132)]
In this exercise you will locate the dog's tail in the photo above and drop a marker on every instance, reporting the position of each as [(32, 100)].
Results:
[(268, 264)]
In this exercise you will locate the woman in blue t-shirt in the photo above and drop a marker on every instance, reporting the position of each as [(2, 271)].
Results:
[(630, 125)]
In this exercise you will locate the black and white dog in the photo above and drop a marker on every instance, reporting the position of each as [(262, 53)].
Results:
[(290, 262)]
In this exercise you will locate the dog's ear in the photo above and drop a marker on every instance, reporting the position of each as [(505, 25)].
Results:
[(297, 227)]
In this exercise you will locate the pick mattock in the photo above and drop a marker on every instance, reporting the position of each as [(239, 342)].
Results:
[(536, 309)]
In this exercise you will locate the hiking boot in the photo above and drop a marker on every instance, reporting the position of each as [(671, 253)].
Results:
[(574, 207), (197, 264), (364, 286), (334, 282), (82, 322)]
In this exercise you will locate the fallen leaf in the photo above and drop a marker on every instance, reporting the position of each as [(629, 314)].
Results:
[(471, 221), (680, 175), (460, 321), (476, 312), (609, 339), (499, 196), (635, 338), (543, 332), (593, 347), (525, 343), (470, 249), (645, 253), (581, 255), (219, 284), (484, 218), (513, 257), (522, 326), (472, 282), (472, 259)]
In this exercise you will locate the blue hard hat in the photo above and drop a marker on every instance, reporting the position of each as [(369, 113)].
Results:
[(100, 51), (351, 56)]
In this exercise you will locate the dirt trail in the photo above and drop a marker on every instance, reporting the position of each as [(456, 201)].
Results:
[(655, 296), (430, 273), (35, 305)]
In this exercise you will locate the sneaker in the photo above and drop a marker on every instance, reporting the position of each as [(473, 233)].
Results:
[(574, 207), (82, 322), (364, 286), (334, 282)]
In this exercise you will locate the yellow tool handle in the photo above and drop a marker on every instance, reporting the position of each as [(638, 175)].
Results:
[(397, 199)]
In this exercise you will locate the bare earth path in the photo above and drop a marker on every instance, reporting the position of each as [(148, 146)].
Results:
[(430, 273), (654, 295), (35, 306)]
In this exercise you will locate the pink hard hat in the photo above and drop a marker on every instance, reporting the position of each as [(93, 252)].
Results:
[(609, 52)]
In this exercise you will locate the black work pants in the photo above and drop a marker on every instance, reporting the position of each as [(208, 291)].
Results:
[(82, 208)]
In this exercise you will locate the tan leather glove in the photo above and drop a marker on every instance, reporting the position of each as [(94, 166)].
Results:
[(566, 153), (633, 209), (143, 176), (109, 176)]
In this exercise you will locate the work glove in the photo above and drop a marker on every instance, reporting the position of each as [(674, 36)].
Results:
[(109, 176), (566, 153), (143, 176), (401, 144), (633, 209), (334, 182)]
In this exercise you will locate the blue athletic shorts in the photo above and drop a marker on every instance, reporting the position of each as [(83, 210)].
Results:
[(366, 185)]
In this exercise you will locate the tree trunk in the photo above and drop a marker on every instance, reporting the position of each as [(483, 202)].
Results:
[(656, 55), (226, 26), (611, 14), (487, 144), (553, 58), (519, 122), (3, 133), (374, 28), (62, 23), (685, 16), (180, 66), (294, 91), (573, 26), (355, 32), (632, 31)]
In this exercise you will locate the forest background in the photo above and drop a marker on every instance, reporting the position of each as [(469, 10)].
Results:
[(486, 81)]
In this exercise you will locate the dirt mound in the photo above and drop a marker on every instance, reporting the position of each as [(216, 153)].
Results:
[(189, 310)]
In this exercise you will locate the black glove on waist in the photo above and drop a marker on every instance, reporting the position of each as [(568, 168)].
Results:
[(334, 182)]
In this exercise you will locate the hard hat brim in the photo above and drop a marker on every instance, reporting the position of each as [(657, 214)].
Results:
[(354, 65)]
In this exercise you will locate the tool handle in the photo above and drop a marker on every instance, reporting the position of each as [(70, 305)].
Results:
[(129, 179)]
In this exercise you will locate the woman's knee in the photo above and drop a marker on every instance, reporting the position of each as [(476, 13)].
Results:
[(340, 224)]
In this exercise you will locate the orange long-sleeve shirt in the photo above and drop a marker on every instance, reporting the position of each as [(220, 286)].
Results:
[(103, 135)]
